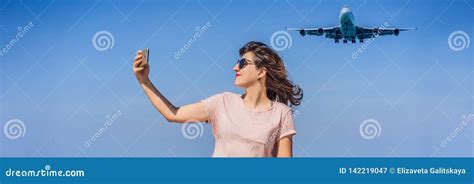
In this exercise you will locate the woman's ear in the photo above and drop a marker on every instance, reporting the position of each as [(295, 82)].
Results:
[(262, 72)]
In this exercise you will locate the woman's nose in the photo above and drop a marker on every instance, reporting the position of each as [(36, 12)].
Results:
[(236, 68)]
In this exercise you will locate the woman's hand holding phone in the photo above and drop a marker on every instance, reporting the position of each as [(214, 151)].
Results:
[(141, 69)]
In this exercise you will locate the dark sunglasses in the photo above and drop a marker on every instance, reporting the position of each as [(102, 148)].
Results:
[(242, 63)]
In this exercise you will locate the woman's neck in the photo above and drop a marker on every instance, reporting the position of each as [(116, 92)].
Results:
[(256, 98)]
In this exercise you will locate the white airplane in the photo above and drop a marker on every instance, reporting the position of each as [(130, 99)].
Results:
[(348, 30)]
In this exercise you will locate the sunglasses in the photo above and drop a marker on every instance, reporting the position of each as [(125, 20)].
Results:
[(242, 63)]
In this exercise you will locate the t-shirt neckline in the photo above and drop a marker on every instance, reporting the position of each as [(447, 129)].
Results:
[(241, 100)]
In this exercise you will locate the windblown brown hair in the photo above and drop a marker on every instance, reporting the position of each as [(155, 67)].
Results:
[(279, 87)]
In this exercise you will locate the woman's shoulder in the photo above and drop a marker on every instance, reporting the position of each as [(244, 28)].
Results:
[(226, 95), (230, 94), (283, 108)]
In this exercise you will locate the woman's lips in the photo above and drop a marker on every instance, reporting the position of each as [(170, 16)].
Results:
[(236, 75)]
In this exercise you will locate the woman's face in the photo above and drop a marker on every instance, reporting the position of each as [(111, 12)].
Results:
[(249, 74)]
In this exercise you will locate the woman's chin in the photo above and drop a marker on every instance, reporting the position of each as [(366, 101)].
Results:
[(238, 83)]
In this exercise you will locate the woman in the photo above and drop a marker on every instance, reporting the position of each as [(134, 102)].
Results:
[(257, 123)]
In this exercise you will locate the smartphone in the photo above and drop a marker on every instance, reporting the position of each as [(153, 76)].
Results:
[(146, 53)]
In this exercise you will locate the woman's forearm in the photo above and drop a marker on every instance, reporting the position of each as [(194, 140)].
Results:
[(160, 102)]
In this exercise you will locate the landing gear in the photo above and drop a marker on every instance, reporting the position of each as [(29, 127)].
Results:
[(344, 41), (353, 40), (361, 40), (336, 40)]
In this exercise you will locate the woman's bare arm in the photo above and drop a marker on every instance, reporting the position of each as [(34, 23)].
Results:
[(188, 113), (285, 147)]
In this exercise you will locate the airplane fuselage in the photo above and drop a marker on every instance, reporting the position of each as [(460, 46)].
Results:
[(348, 27)]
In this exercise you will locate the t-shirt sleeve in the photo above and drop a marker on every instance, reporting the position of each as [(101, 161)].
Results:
[(211, 105), (287, 127)]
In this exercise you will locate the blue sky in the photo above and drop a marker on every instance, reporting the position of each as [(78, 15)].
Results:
[(64, 89)]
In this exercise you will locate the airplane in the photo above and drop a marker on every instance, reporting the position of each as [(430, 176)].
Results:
[(348, 30)]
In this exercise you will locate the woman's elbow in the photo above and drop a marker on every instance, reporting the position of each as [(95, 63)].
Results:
[(171, 119), (176, 119)]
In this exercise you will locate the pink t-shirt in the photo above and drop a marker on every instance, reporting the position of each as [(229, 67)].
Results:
[(241, 132)]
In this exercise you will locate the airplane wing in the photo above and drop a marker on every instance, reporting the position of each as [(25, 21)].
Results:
[(316, 31), (364, 32)]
